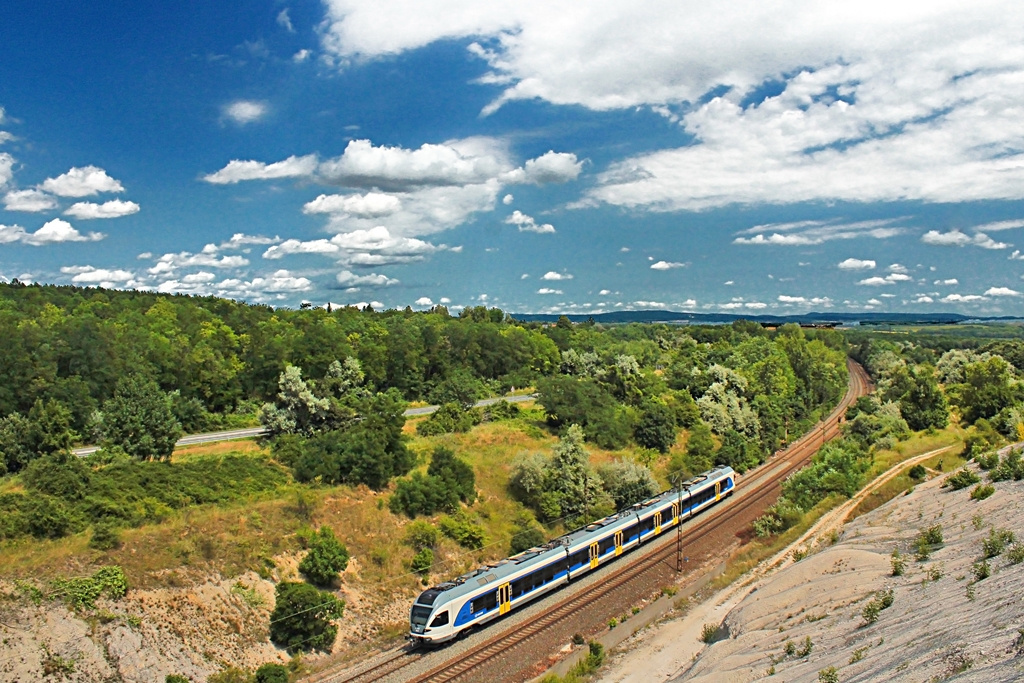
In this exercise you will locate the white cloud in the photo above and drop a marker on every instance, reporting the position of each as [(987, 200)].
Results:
[(245, 111), (527, 223), (284, 21), (201, 276), (962, 298), (546, 290), (445, 300), (97, 276), (792, 299), (552, 275), (666, 265), (551, 167), (424, 301), (239, 240), (29, 200), (889, 279), (955, 238), (458, 162), (52, 232), (6, 168), (1016, 255), (1001, 291), (115, 208), (918, 101), (349, 279), (897, 268), (301, 56), (856, 264), (605, 292), (803, 233), (999, 225), (924, 299), (237, 171), (369, 205), (949, 281), (373, 247), (208, 258), (81, 182), (507, 199)]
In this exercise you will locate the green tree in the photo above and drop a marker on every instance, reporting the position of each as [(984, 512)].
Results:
[(50, 427), (139, 420), (656, 428), (924, 405), (16, 449), (327, 557), (988, 388), (271, 673), (455, 472), (700, 448), (627, 482), (302, 618)]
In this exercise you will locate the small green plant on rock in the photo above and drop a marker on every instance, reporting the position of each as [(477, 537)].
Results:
[(962, 479), (982, 491), (709, 634), (807, 648), (996, 543), (829, 675), (981, 570), (899, 565)]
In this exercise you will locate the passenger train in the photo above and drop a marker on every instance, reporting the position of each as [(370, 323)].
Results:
[(443, 612)]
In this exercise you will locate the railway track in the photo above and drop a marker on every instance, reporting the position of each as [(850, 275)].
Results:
[(756, 491)]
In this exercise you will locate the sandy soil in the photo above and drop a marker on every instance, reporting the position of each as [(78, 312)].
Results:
[(932, 630)]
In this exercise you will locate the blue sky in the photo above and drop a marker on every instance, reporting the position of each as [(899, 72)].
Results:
[(528, 155)]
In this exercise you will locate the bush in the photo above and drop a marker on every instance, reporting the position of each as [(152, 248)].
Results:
[(501, 410), (982, 491), (996, 543), (325, 559), (454, 472), (47, 517), (1015, 554), (302, 616), (526, 534), (271, 673), (176, 678), (423, 561), (829, 675), (449, 418), (656, 428), (917, 472), (981, 570), (81, 592), (709, 633), (899, 565), (462, 531), (420, 535), (962, 479), (807, 648), (231, 674), (105, 536), (422, 495)]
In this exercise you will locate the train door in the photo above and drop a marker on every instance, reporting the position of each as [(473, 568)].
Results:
[(675, 513), (594, 554), (504, 598), (657, 522), (718, 491), (618, 543)]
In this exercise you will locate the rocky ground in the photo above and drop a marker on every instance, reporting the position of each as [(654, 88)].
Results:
[(798, 621), (195, 629)]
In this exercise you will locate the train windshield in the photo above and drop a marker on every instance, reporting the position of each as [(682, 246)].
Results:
[(420, 615)]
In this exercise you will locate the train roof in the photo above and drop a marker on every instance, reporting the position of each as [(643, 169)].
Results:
[(541, 555)]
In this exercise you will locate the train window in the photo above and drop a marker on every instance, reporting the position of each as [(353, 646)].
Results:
[(630, 533), (420, 615), (520, 586), (484, 602), (581, 557), (606, 544), (440, 620)]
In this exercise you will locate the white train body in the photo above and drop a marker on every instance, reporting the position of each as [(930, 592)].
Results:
[(443, 612)]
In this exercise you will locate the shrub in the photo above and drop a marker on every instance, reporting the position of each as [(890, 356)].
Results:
[(981, 570), (962, 479), (450, 417), (917, 472), (982, 491), (302, 618), (526, 534), (47, 517), (325, 559), (501, 410), (423, 561), (899, 565), (176, 678), (454, 472), (231, 674), (271, 673), (932, 535), (996, 543), (462, 531), (420, 535), (81, 592), (829, 675), (987, 461), (422, 495), (709, 634), (1016, 553), (105, 536), (807, 648)]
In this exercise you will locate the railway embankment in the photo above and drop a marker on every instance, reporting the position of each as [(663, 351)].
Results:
[(851, 610)]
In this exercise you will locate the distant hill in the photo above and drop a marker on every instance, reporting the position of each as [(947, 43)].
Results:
[(813, 318)]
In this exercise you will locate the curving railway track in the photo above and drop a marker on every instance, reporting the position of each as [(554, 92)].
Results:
[(754, 493)]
